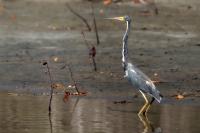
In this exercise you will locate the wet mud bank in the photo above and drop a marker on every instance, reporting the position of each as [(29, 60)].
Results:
[(165, 46)]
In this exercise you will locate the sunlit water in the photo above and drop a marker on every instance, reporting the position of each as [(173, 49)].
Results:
[(20, 114)]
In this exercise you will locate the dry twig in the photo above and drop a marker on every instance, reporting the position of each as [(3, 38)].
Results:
[(92, 51), (79, 16), (95, 25), (45, 63)]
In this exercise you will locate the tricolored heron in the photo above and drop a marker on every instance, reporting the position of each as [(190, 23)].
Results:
[(137, 78)]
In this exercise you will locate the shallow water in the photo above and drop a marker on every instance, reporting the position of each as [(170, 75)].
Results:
[(21, 114)]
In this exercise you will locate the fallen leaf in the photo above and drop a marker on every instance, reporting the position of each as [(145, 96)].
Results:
[(79, 93), (13, 17), (1, 8), (156, 81), (66, 96), (136, 1), (70, 86), (107, 2), (52, 27), (155, 74), (179, 97), (55, 59), (121, 102), (58, 86), (13, 94), (142, 1), (101, 11)]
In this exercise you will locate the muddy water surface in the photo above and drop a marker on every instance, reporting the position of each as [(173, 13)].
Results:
[(20, 114)]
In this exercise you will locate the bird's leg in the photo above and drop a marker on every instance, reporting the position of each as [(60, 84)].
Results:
[(144, 122), (147, 109), (149, 105), (143, 113), (143, 109), (147, 124)]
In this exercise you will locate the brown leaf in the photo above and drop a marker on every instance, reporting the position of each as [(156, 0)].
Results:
[(136, 1), (13, 94), (79, 93), (66, 96), (55, 59), (58, 86), (107, 2), (1, 8), (101, 11), (179, 97), (13, 17)]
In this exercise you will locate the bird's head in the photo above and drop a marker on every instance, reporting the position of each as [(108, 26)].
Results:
[(122, 18)]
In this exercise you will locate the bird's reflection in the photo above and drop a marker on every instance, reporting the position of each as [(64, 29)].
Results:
[(148, 126)]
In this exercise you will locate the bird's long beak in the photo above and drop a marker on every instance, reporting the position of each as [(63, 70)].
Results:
[(117, 18)]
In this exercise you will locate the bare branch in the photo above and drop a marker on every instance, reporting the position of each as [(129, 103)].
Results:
[(92, 51), (95, 25), (94, 64), (51, 82), (72, 77), (86, 42), (79, 16)]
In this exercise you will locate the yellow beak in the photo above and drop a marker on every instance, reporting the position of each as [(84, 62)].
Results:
[(117, 18)]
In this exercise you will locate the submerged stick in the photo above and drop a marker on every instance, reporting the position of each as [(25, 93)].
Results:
[(76, 103), (79, 16), (92, 51), (86, 42), (72, 77), (78, 93), (156, 10), (50, 123), (51, 82), (94, 64), (95, 25), (92, 54)]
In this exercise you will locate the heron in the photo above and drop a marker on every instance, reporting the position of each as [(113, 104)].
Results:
[(134, 75)]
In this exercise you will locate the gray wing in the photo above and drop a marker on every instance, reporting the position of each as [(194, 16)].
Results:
[(140, 81)]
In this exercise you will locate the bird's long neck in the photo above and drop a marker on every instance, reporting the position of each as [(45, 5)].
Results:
[(125, 46)]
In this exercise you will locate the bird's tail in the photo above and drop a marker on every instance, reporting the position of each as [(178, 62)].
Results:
[(158, 97)]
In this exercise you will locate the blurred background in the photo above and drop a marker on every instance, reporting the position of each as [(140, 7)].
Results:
[(164, 43)]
